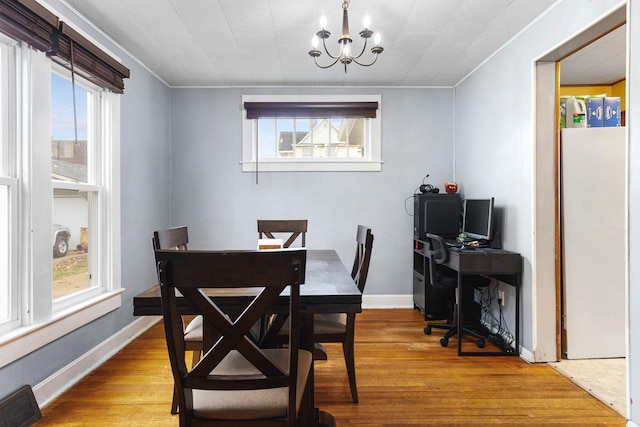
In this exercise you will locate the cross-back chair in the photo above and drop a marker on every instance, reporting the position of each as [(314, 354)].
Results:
[(340, 327), (177, 238), (235, 382), (294, 228)]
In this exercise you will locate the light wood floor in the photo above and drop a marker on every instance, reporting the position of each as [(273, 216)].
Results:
[(404, 378)]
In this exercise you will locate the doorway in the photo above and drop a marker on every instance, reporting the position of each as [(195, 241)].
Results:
[(548, 225)]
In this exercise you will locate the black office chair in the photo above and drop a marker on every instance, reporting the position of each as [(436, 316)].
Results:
[(444, 277)]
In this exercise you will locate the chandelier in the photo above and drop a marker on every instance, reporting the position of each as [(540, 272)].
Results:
[(345, 56)]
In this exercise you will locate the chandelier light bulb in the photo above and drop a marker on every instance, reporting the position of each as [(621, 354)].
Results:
[(346, 51), (377, 38), (366, 21), (323, 22), (315, 41)]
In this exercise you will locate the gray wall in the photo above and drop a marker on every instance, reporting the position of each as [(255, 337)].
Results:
[(189, 140), (221, 204), (494, 150), (145, 206)]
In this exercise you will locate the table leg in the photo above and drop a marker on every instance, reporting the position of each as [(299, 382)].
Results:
[(319, 418), (459, 312)]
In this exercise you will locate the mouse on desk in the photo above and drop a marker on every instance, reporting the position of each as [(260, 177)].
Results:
[(467, 248)]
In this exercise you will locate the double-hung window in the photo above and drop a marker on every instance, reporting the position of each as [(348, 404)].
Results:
[(311, 133), (59, 180), (9, 303), (77, 188)]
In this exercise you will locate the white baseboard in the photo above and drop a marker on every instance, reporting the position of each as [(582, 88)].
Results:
[(387, 301), (56, 384)]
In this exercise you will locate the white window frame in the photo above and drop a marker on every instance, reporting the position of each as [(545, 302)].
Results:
[(7, 175), (39, 321), (372, 162), (93, 185)]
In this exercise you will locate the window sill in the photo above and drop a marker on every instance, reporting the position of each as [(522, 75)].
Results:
[(23, 341), (312, 166)]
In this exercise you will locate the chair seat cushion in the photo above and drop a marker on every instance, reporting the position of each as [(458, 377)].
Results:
[(325, 323), (330, 323), (250, 404), (193, 331)]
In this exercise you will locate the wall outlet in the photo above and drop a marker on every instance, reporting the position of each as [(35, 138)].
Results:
[(501, 296)]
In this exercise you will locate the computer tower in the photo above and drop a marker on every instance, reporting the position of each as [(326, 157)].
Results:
[(436, 214)]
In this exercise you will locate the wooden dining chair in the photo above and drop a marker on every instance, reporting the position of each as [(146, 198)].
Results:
[(340, 327), (292, 228), (236, 382), (272, 229), (177, 238)]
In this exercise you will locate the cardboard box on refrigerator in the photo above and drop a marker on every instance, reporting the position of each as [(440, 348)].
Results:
[(611, 108), (595, 117)]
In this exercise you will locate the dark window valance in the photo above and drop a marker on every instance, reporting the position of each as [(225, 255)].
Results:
[(28, 21), (256, 110), (89, 61)]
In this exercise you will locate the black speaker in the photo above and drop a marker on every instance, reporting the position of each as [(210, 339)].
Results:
[(428, 188)]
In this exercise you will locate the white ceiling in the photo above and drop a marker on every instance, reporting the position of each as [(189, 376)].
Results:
[(266, 42), (602, 62)]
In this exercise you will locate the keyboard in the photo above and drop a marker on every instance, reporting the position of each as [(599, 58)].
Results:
[(453, 243)]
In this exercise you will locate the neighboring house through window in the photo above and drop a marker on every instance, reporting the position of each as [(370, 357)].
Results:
[(311, 133)]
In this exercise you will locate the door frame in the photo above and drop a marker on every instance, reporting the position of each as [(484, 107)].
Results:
[(547, 244)]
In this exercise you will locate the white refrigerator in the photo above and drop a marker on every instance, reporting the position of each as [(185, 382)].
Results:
[(593, 194)]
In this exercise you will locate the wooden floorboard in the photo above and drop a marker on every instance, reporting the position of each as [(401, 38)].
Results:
[(405, 378)]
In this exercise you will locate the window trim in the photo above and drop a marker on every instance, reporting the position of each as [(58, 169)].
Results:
[(41, 324), (24, 340), (371, 163)]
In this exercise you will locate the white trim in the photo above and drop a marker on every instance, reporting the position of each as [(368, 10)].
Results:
[(387, 301), (59, 382), (22, 341), (303, 165), (526, 355)]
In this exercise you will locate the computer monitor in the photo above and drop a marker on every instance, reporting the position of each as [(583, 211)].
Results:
[(477, 220)]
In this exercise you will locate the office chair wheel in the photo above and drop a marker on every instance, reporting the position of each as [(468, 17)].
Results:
[(444, 341), (427, 330), (480, 342)]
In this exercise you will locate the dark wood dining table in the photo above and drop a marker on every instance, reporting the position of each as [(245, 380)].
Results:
[(328, 288)]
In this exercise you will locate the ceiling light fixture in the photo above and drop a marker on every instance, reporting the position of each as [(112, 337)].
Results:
[(345, 56)]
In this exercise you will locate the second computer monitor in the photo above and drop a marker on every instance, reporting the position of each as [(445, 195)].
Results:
[(477, 220)]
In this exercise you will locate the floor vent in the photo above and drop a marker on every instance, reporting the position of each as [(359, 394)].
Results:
[(19, 409)]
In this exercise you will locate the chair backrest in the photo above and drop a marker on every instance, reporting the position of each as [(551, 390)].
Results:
[(172, 238), (296, 227), (364, 246), (438, 254), (189, 272)]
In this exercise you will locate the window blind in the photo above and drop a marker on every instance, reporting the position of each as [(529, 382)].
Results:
[(88, 60), (28, 21), (256, 110)]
